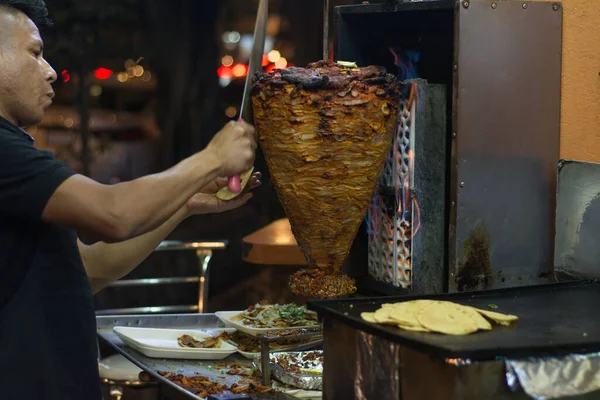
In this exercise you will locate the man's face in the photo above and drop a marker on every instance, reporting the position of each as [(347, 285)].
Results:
[(25, 76)]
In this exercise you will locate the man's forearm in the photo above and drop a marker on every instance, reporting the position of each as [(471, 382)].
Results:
[(107, 262), (146, 203), (115, 213)]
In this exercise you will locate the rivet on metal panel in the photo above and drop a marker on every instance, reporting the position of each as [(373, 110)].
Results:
[(453, 134), (524, 6), (494, 5), (465, 4), (462, 184), (555, 7)]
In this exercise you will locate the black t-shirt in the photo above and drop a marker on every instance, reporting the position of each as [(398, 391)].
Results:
[(47, 323)]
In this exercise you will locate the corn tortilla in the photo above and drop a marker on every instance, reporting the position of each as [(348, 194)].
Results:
[(499, 318), (405, 313), (368, 316), (383, 316), (481, 322), (413, 328), (447, 318)]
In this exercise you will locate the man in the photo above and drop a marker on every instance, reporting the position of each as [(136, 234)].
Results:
[(47, 277)]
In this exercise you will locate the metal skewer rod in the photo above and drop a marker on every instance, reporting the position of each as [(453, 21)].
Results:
[(326, 30)]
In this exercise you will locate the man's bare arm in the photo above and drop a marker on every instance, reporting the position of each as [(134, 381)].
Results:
[(105, 263), (129, 209)]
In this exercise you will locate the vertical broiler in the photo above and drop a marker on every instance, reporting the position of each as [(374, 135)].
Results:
[(463, 198)]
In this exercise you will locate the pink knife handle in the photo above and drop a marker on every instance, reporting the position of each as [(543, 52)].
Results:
[(235, 184)]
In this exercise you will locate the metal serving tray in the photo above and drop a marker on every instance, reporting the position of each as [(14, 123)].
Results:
[(105, 326)]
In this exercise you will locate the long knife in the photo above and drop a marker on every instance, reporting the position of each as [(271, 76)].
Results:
[(254, 66), (325, 30)]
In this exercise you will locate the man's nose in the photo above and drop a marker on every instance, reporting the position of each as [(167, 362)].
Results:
[(51, 75)]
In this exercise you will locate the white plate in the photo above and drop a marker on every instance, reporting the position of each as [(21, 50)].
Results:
[(228, 318), (118, 368), (248, 355), (162, 343)]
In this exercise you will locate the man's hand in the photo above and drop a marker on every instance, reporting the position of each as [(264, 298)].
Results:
[(206, 202), (234, 147)]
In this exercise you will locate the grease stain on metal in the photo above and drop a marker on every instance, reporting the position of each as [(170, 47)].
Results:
[(475, 271)]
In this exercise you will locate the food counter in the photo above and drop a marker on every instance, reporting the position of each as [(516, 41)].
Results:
[(551, 351), (217, 371)]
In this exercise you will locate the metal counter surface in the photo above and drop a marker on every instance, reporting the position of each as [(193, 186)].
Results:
[(205, 322), (554, 320)]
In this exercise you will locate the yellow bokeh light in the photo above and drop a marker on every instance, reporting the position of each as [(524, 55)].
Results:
[(231, 111), (227, 61), (138, 70), (274, 56), (146, 76), (281, 63), (95, 90)]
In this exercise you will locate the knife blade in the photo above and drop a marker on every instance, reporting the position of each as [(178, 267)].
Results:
[(256, 56), (254, 66)]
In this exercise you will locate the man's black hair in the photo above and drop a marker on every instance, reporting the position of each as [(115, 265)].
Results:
[(35, 9)]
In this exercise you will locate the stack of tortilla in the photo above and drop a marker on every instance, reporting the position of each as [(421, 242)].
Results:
[(437, 316)]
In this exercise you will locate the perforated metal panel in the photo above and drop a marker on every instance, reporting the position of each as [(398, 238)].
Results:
[(390, 217), (413, 178)]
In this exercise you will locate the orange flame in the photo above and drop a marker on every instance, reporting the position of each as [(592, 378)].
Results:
[(408, 201), (417, 217), (413, 94)]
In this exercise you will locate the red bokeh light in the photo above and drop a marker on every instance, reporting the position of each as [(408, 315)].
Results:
[(103, 73), (225, 72), (65, 75), (265, 60)]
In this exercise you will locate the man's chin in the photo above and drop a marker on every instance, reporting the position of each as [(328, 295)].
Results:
[(31, 120)]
